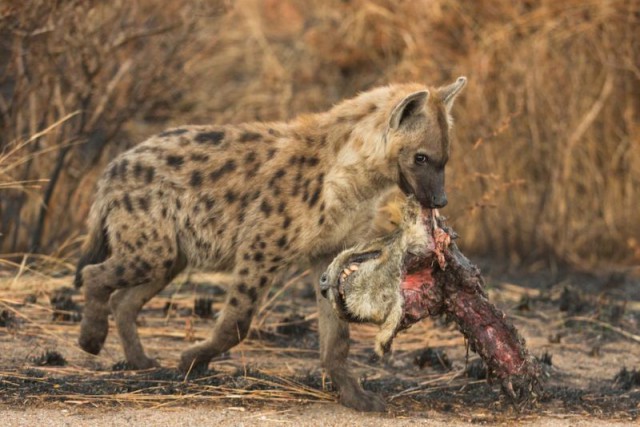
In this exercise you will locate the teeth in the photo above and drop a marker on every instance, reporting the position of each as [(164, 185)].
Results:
[(346, 271), (353, 267), (343, 276)]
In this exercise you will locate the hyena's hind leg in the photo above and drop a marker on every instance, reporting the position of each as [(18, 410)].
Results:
[(142, 263), (98, 282), (126, 304)]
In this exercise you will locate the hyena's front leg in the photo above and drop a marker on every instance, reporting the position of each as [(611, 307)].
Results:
[(334, 351), (253, 275)]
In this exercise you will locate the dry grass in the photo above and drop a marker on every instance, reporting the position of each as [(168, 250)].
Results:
[(546, 166)]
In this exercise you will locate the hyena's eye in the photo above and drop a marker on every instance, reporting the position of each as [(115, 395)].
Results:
[(421, 159)]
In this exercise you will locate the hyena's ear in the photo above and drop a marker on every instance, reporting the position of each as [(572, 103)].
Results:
[(449, 93), (406, 108)]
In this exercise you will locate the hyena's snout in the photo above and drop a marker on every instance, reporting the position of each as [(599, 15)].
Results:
[(439, 200)]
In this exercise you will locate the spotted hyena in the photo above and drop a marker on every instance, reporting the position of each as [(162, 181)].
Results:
[(253, 199)]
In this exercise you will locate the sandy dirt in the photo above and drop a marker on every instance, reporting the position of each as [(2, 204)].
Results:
[(584, 328)]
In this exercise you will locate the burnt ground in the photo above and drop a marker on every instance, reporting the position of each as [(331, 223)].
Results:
[(583, 327)]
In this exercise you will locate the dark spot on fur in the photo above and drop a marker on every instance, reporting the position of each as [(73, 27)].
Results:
[(214, 137), (145, 266), (178, 204), (127, 203), (276, 259), (234, 301), (274, 132), (197, 157), (121, 283), (249, 136), (263, 281), (314, 197), (173, 132), (175, 161), (322, 206), (151, 171), (271, 152), (243, 272), (242, 288), (266, 208), (144, 203), (137, 170), (321, 220), (230, 196), (250, 157), (167, 264), (273, 269), (196, 179), (258, 257), (164, 211), (281, 207), (228, 167), (120, 271), (279, 174), (287, 222), (262, 245), (282, 241), (246, 257), (313, 161), (253, 294)]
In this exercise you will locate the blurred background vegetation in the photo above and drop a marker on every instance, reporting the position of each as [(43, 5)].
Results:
[(546, 159)]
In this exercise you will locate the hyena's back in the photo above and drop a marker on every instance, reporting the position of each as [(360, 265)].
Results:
[(174, 195)]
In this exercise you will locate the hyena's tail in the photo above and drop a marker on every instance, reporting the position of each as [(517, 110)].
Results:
[(96, 247)]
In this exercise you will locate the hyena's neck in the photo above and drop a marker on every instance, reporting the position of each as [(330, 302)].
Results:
[(350, 141)]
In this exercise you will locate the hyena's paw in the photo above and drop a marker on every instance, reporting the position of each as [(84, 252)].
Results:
[(362, 400), (194, 362), (93, 334)]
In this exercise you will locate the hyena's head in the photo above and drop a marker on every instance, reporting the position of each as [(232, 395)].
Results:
[(418, 138)]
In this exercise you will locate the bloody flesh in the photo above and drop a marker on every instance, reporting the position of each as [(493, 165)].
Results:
[(447, 283)]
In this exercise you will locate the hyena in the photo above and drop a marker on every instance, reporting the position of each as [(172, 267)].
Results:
[(253, 199)]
